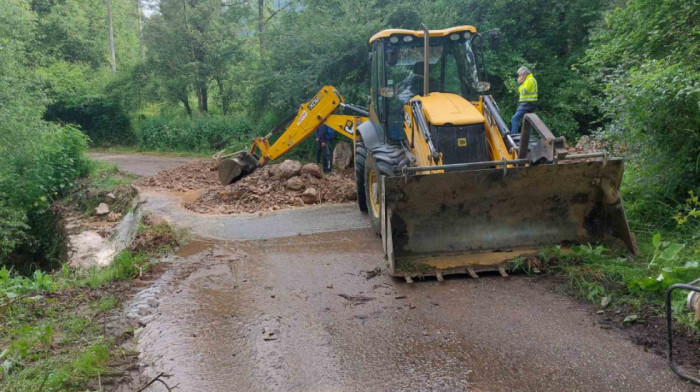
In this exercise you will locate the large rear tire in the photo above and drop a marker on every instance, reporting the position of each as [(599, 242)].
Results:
[(360, 159)]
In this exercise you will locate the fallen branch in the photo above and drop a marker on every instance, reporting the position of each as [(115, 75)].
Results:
[(158, 379)]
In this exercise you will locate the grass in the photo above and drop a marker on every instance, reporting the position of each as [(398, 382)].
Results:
[(51, 340), (53, 336), (53, 325), (595, 273), (104, 179)]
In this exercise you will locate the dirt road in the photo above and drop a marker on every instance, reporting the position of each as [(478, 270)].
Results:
[(291, 301)]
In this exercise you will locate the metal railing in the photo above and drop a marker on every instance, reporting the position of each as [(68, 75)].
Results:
[(692, 286)]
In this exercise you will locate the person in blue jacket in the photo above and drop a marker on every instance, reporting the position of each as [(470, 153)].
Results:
[(324, 140)]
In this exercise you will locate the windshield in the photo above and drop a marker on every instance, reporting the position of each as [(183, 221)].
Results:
[(453, 69)]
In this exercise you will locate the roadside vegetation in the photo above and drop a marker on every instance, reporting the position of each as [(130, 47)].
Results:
[(57, 332)]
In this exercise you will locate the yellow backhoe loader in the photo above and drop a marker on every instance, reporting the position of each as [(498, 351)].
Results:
[(445, 184)]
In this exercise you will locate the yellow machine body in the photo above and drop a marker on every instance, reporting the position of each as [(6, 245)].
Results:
[(447, 220)]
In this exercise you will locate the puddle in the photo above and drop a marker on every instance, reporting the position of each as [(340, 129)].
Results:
[(195, 246)]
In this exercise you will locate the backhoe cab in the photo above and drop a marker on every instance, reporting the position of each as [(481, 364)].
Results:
[(443, 181)]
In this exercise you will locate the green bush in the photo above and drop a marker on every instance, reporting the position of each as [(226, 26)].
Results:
[(651, 88), (103, 121), (199, 133), (39, 162)]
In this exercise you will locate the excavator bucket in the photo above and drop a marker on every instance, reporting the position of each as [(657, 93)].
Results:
[(235, 167), (471, 221)]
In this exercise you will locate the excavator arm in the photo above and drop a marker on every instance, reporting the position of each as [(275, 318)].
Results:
[(310, 115)]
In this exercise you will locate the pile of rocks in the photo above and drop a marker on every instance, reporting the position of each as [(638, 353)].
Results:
[(274, 187), (194, 175)]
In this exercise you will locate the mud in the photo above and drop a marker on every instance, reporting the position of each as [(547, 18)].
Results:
[(299, 300), (299, 313)]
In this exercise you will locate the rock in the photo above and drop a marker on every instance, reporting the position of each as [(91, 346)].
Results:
[(287, 169), (350, 192), (312, 169), (295, 184), (342, 155), (110, 198), (600, 312), (630, 319), (113, 216), (604, 302), (297, 202), (102, 209), (310, 196)]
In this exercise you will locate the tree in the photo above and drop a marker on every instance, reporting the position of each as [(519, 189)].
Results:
[(195, 44)]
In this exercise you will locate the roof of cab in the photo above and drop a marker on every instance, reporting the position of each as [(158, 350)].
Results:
[(419, 33)]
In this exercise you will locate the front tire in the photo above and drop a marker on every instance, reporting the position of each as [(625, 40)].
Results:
[(385, 160), (372, 183)]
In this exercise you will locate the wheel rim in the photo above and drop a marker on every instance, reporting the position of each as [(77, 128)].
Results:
[(374, 193)]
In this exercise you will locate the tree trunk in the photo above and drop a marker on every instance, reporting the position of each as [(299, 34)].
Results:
[(205, 98), (111, 37), (186, 102), (261, 25), (141, 48), (224, 96)]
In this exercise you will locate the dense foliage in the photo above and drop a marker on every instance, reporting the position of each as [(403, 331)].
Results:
[(38, 159), (650, 82)]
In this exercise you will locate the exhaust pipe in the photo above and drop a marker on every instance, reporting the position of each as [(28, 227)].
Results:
[(426, 60)]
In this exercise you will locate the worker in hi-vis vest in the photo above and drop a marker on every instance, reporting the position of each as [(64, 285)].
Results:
[(527, 87)]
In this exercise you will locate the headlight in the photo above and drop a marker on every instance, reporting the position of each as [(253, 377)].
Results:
[(467, 34), (454, 37), (483, 87), (394, 39), (407, 38)]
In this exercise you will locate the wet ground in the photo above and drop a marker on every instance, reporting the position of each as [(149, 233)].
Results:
[(291, 301), (142, 165)]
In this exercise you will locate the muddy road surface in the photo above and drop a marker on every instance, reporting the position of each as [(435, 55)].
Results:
[(294, 301)]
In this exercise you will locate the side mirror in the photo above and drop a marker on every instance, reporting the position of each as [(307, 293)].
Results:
[(483, 87), (494, 37)]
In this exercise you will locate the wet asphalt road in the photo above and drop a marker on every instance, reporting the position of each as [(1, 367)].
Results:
[(142, 165), (278, 311)]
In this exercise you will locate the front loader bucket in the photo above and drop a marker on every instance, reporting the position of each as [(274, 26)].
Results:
[(234, 168), (471, 221)]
